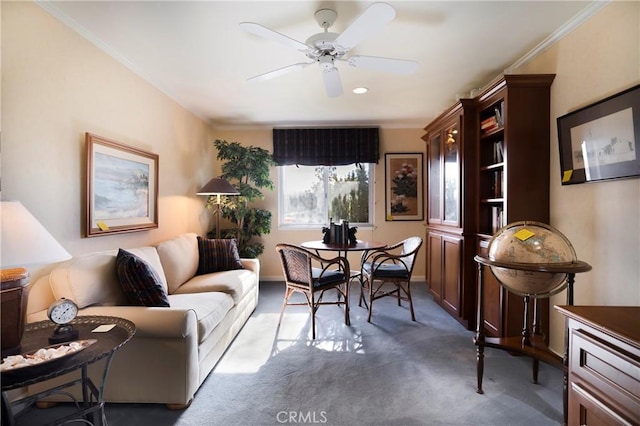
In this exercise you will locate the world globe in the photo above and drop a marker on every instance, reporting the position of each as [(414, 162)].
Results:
[(531, 258)]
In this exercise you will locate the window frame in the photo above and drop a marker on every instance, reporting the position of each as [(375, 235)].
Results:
[(304, 227)]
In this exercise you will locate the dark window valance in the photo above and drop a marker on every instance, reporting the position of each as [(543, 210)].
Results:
[(326, 146)]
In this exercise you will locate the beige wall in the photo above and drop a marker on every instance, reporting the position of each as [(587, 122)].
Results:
[(601, 219), (55, 87), (391, 140)]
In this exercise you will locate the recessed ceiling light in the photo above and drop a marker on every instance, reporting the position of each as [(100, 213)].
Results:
[(360, 90)]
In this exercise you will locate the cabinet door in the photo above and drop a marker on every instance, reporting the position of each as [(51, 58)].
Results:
[(451, 154), (434, 265), (452, 249), (435, 215)]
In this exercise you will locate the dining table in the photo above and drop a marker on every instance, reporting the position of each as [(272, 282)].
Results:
[(342, 250)]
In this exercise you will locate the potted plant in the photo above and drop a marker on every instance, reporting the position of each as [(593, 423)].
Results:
[(247, 169)]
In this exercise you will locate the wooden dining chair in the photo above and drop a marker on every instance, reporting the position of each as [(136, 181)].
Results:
[(312, 275), (387, 272)]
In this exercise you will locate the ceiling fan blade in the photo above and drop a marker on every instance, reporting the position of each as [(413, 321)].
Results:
[(280, 71), (332, 82), (371, 20), (396, 66), (264, 32)]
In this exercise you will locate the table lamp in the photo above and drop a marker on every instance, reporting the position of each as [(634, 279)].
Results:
[(218, 187), (23, 241)]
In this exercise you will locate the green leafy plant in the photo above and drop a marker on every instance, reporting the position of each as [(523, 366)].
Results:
[(247, 169)]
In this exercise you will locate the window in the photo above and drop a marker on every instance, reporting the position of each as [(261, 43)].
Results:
[(312, 195)]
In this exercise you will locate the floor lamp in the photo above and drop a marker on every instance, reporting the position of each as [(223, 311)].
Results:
[(24, 241), (218, 187)]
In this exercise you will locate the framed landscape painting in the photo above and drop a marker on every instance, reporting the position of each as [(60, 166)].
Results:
[(404, 179), (601, 141), (122, 188)]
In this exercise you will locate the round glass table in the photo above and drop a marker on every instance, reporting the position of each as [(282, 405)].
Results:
[(36, 336)]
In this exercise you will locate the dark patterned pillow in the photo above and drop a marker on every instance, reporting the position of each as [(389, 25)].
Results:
[(217, 255), (139, 281)]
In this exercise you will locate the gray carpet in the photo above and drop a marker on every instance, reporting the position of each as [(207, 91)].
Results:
[(390, 372)]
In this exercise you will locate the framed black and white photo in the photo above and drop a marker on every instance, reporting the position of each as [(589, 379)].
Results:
[(601, 141)]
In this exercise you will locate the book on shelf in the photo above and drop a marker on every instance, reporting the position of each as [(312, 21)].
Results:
[(497, 218), (498, 152), (489, 122), (498, 184), (499, 111)]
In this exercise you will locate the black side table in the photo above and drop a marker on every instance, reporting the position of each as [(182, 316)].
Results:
[(36, 336)]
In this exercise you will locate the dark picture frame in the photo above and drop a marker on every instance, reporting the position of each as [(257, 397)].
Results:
[(404, 179), (122, 188), (601, 141)]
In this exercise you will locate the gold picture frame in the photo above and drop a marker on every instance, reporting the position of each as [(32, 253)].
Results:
[(122, 188), (404, 178)]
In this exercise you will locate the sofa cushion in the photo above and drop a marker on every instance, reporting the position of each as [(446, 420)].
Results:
[(217, 255), (179, 258), (236, 283), (150, 255), (210, 309), (139, 281), (88, 280)]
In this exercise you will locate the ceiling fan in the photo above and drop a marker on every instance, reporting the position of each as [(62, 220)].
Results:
[(326, 48)]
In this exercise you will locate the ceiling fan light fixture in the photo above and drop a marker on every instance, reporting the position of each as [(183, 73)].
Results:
[(360, 90), (326, 48)]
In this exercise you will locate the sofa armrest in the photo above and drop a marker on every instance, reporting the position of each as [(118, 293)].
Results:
[(149, 321), (252, 265)]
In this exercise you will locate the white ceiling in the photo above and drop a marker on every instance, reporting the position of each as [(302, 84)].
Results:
[(195, 52)]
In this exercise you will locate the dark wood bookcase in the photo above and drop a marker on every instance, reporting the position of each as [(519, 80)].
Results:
[(501, 164), (450, 232)]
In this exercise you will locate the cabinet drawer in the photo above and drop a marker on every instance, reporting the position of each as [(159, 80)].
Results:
[(608, 371)]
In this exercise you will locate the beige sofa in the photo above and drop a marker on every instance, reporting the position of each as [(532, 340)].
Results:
[(174, 348)]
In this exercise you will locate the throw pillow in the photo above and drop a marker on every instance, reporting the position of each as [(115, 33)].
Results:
[(139, 281), (217, 255)]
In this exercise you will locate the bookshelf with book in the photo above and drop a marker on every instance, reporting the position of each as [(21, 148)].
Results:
[(498, 143), (513, 180)]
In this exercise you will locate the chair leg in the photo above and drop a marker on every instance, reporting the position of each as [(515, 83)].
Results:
[(287, 293), (413, 315), (370, 283), (312, 305), (347, 320)]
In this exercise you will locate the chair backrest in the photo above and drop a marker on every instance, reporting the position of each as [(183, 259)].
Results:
[(410, 248), (296, 263)]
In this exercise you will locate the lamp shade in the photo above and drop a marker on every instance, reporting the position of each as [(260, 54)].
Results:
[(24, 241), (218, 186)]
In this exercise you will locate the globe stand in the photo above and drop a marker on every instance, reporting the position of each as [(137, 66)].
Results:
[(528, 344)]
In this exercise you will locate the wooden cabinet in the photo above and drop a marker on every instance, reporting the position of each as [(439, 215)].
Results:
[(512, 181), (444, 269), (450, 233), (603, 364), (488, 166)]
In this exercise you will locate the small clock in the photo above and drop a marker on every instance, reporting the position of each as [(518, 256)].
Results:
[(62, 312)]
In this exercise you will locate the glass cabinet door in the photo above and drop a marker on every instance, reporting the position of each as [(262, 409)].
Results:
[(451, 154), (435, 214)]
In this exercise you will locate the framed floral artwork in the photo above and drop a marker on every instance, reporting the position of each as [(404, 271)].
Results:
[(404, 177), (122, 188)]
